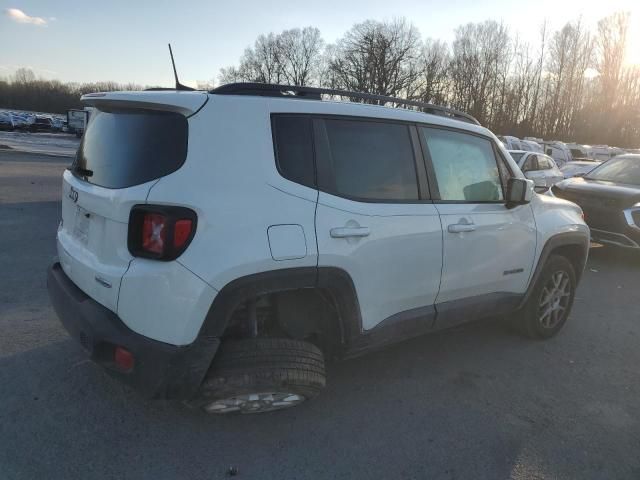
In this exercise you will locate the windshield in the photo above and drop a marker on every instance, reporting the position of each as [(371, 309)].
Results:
[(618, 170), (125, 148)]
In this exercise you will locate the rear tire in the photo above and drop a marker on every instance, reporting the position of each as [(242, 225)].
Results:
[(258, 375), (549, 305)]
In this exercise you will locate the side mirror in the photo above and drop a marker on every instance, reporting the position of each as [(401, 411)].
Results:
[(519, 191)]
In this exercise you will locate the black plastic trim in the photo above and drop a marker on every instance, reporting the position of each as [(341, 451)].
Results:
[(396, 328), (576, 239), (160, 370), (473, 308), (315, 93)]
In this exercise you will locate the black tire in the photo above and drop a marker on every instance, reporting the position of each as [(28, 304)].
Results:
[(530, 320), (280, 372)]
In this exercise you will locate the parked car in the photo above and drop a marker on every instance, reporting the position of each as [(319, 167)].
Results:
[(6, 121), (537, 167), (77, 120), (610, 198), (290, 230), (511, 143), (22, 121), (57, 124), (601, 153), (42, 123), (578, 168), (531, 146), (579, 152), (615, 151), (559, 151)]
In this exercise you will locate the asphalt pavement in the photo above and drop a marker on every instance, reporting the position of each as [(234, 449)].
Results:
[(475, 402)]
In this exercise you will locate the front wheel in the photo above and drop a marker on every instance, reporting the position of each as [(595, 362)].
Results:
[(258, 375), (549, 305)]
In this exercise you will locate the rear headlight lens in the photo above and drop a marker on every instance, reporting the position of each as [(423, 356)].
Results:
[(153, 232), (160, 232)]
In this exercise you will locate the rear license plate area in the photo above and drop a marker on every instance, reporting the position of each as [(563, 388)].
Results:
[(81, 225)]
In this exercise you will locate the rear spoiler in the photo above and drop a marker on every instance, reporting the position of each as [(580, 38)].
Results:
[(186, 103)]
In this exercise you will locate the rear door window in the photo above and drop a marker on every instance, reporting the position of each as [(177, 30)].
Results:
[(367, 160), (129, 147)]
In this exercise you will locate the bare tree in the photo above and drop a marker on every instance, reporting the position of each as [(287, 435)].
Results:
[(611, 42), (480, 54), (260, 63), (292, 56), (432, 81), (300, 55), (377, 57), (24, 76)]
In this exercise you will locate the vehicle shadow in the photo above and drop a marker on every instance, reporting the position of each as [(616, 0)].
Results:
[(614, 256), (471, 402)]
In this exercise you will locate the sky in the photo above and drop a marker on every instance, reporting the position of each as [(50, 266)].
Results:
[(126, 41)]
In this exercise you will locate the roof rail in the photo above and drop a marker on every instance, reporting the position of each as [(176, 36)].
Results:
[(315, 93)]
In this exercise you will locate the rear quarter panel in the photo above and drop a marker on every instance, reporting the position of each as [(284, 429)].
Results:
[(231, 181)]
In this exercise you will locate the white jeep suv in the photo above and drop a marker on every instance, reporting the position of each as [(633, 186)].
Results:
[(216, 247)]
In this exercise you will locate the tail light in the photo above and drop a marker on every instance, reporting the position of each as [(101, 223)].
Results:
[(160, 232)]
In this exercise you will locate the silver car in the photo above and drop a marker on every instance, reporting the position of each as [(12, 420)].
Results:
[(540, 168)]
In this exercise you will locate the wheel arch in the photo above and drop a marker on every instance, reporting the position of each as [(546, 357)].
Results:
[(572, 245), (337, 282)]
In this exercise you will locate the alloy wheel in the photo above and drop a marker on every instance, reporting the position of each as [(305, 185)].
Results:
[(554, 300)]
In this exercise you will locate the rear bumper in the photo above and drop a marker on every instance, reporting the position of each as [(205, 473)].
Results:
[(160, 370)]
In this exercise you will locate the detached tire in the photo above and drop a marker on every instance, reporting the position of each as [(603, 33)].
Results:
[(262, 374), (549, 306)]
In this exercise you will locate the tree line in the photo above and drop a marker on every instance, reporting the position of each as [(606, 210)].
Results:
[(23, 91), (571, 85)]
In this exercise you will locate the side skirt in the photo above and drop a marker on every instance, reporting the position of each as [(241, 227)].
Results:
[(419, 321)]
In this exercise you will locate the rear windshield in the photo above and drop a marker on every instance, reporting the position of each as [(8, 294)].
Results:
[(125, 148)]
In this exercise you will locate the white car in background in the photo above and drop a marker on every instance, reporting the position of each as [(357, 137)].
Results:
[(559, 151), (540, 168), (511, 143), (578, 168), (601, 153), (579, 152), (531, 146)]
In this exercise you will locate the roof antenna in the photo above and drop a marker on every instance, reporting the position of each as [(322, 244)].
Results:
[(179, 86)]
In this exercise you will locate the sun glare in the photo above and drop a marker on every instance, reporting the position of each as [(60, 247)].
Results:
[(633, 41)]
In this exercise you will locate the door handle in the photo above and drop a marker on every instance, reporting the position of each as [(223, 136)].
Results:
[(461, 227), (347, 232)]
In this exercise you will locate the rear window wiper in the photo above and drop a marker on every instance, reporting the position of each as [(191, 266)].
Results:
[(83, 172)]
